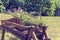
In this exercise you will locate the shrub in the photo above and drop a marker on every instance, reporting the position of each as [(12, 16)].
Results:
[(27, 19)]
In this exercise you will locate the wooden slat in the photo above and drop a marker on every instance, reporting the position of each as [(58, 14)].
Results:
[(30, 34), (13, 28), (15, 24), (14, 32), (34, 36), (3, 34)]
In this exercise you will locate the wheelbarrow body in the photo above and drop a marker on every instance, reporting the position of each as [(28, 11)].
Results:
[(23, 32)]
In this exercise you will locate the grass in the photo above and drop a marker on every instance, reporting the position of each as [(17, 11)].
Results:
[(53, 30), (53, 24), (5, 17)]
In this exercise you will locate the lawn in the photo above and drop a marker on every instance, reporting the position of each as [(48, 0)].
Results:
[(53, 30), (53, 24)]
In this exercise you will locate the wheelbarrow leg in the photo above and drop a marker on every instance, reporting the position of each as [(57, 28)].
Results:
[(3, 33), (45, 34), (29, 34), (34, 36)]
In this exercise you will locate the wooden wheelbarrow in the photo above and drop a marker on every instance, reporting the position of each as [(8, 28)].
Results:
[(24, 32)]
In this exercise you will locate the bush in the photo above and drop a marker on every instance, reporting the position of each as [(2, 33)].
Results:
[(27, 19)]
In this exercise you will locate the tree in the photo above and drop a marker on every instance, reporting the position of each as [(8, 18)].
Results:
[(14, 3), (37, 5), (42, 6), (55, 5), (32, 5)]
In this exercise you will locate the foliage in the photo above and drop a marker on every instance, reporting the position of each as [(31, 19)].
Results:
[(10, 3), (46, 7), (37, 5), (27, 19), (2, 8), (5, 3), (28, 5), (55, 5)]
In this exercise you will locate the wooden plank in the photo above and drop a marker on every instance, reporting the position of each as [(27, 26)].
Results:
[(8, 26), (15, 24), (34, 36), (17, 34), (30, 34), (44, 32), (3, 33)]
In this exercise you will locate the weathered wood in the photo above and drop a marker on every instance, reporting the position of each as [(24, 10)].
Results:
[(34, 37), (15, 32), (3, 34), (44, 28), (15, 24), (18, 31), (15, 20), (30, 34)]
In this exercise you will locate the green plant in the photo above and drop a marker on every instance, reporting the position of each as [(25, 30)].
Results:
[(13, 38), (27, 19)]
